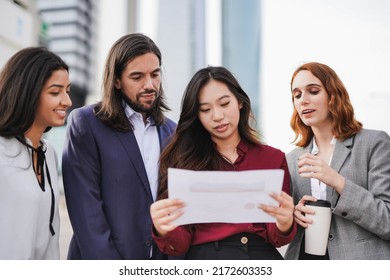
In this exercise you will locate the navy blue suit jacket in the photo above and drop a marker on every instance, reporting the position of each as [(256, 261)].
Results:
[(107, 190)]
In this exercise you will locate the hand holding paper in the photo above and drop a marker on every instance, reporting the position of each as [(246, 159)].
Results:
[(164, 212), (283, 213)]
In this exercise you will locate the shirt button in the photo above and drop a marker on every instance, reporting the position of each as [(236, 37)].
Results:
[(244, 240)]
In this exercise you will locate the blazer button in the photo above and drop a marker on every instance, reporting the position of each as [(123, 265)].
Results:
[(331, 236), (244, 240), (148, 243), (344, 214)]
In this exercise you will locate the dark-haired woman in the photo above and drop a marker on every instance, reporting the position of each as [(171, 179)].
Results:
[(214, 133), (34, 96)]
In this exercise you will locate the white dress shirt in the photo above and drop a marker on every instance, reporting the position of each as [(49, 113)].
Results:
[(149, 145), (318, 188)]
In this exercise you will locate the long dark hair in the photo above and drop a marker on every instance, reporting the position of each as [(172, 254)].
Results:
[(344, 124), (110, 109), (21, 83), (192, 147)]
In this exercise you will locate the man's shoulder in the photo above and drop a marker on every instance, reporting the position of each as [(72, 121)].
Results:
[(167, 128), (81, 114), (169, 122), (86, 110), (83, 117)]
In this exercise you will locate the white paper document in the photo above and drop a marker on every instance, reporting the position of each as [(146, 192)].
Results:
[(224, 196)]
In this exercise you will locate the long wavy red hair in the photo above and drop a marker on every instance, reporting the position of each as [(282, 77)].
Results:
[(344, 124)]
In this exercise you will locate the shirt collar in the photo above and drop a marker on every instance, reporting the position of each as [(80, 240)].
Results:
[(315, 150), (131, 114), (242, 147)]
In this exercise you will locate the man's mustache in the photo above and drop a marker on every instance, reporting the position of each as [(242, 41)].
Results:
[(149, 91)]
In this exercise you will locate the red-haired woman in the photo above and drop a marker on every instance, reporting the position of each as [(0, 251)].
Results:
[(339, 161)]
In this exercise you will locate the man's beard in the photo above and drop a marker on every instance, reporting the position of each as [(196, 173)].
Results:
[(141, 108)]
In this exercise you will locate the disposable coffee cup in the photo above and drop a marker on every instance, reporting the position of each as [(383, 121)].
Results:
[(316, 234)]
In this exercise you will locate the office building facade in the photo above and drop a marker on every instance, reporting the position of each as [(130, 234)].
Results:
[(72, 30)]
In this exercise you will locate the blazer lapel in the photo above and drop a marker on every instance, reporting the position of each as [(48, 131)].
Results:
[(163, 133), (340, 154), (131, 146)]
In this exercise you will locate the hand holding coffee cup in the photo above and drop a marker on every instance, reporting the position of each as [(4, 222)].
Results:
[(301, 211)]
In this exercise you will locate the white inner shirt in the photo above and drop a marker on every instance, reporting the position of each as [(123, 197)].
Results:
[(149, 145), (318, 188)]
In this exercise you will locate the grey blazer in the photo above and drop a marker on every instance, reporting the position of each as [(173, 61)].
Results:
[(360, 227)]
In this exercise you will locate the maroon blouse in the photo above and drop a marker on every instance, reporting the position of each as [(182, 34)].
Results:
[(250, 157)]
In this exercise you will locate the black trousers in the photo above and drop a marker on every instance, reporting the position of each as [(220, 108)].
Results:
[(244, 246)]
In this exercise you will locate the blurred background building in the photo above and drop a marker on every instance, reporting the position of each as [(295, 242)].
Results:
[(19, 27), (260, 41), (71, 28)]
